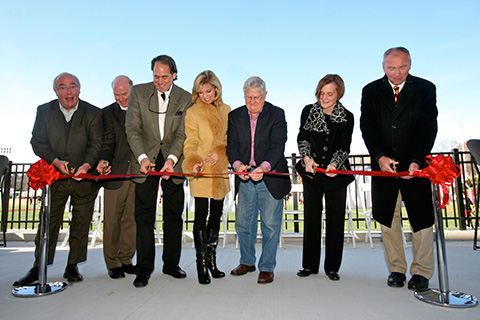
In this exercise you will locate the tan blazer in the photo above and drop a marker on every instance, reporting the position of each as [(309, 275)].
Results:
[(143, 133), (206, 131)]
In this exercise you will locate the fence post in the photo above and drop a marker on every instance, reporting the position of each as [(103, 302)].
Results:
[(459, 194), (296, 226)]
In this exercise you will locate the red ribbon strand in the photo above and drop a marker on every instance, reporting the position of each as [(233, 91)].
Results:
[(441, 170)]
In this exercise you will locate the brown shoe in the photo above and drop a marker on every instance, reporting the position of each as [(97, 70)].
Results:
[(265, 277), (242, 269)]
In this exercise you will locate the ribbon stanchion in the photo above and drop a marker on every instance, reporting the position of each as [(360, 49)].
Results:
[(42, 175), (443, 296)]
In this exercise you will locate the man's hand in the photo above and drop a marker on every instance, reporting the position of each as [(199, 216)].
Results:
[(257, 174), (103, 167), (167, 167), (242, 168), (310, 165), (411, 169), (146, 166), (385, 164), (61, 165), (82, 169)]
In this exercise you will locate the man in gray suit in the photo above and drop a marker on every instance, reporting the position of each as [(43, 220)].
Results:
[(68, 134), (155, 127)]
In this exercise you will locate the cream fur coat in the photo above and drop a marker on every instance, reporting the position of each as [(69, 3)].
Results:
[(206, 131)]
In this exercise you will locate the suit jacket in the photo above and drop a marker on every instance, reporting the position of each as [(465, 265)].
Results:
[(115, 148), (84, 140), (270, 139), (326, 141), (143, 133), (406, 133)]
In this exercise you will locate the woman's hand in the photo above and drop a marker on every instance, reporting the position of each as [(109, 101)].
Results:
[(310, 165), (211, 158)]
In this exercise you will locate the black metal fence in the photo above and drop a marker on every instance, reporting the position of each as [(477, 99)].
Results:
[(25, 203)]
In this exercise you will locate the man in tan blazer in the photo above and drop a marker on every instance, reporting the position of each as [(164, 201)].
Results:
[(155, 127)]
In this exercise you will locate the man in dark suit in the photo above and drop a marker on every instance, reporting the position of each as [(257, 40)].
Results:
[(155, 128), (68, 134), (119, 226), (399, 126), (257, 133)]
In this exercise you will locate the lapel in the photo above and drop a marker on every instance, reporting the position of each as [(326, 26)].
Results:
[(387, 95), (405, 95), (171, 110), (76, 122), (152, 93), (59, 120), (119, 114), (262, 123)]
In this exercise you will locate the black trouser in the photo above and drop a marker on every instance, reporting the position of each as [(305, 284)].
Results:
[(334, 226), (145, 216), (201, 213)]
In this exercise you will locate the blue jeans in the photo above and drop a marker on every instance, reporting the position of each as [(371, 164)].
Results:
[(254, 197)]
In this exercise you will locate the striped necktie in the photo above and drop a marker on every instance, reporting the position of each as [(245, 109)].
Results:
[(396, 88)]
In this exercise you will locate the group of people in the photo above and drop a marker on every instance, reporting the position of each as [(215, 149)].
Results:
[(158, 126)]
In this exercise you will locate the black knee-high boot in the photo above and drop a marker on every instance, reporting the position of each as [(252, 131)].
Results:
[(211, 253), (199, 238)]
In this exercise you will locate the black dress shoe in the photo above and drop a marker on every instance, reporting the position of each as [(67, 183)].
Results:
[(175, 272), (418, 282), (396, 279), (116, 273), (306, 272), (141, 280), (72, 274), (332, 275), (129, 268), (30, 278)]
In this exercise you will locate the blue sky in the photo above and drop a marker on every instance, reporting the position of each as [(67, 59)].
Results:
[(290, 44)]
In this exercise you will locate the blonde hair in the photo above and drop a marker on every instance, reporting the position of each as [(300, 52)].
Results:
[(207, 77)]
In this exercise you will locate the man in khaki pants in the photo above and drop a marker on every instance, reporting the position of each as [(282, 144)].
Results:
[(116, 157), (399, 126)]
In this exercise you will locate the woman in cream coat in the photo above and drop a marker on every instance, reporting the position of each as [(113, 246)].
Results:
[(205, 151)]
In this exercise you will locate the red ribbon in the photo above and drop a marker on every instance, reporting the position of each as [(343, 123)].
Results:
[(441, 170), (41, 174)]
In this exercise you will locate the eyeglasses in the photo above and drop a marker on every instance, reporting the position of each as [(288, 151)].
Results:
[(65, 88), (150, 109), (256, 98)]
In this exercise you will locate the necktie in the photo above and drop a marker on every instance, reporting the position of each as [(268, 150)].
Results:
[(163, 96), (396, 88)]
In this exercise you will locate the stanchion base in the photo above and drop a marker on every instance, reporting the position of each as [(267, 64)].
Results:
[(449, 299), (37, 290)]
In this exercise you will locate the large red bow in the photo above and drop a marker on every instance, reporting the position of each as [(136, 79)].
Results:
[(41, 173), (442, 171)]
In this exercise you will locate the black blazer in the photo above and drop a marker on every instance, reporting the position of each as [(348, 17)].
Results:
[(326, 141), (270, 139), (406, 133), (84, 140), (115, 147)]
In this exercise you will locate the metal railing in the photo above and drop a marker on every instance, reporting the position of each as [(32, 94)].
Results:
[(25, 203)]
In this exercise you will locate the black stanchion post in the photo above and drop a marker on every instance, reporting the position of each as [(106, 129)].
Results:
[(42, 288), (443, 296)]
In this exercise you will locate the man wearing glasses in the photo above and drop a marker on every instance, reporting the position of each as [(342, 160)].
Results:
[(257, 133), (68, 134), (155, 127)]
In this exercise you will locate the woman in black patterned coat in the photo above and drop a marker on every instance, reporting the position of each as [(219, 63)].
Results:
[(324, 139)]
